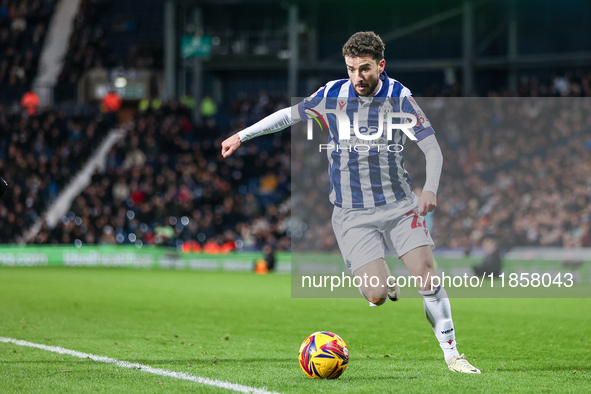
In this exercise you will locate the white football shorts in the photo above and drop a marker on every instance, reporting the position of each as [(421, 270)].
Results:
[(363, 233)]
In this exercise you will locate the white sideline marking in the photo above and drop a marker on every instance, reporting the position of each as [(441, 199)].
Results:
[(144, 368)]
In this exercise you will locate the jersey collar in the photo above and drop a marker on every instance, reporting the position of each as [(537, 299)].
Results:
[(384, 90)]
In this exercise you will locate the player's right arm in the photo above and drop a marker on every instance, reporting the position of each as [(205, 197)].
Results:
[(273, 123)]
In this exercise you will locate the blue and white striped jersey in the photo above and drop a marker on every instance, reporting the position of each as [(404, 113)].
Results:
[(361, 178)]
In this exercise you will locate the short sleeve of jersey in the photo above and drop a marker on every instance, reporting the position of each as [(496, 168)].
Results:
[(423, 127), (311, 102)]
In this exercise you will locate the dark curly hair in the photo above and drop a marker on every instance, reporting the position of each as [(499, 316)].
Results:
[(365, 43)]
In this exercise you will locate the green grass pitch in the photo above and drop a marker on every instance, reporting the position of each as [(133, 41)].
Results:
[(246, 329)]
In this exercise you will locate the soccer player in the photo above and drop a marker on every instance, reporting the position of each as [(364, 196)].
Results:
[(374, 205)]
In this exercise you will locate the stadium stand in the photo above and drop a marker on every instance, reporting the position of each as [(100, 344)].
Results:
[(22, 33), (38, 157), (168, 172), (166, 183), (87, 48), (574, 83), (496, 184), (104, 38)]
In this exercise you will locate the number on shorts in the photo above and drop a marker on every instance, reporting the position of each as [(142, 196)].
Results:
[(415, 219)]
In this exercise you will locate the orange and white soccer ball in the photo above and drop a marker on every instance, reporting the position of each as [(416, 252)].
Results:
[(324, 355)]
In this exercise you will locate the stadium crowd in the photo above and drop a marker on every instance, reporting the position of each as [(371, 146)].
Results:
[(515, 171), (22, 32), (542, 200), (89, 47), (38, 156), (535, 188), (166, 184), (576, 83), (571, 84)]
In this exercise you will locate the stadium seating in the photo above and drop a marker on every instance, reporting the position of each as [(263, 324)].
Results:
[(104, 38), (38, 157), (22, 32), (497, 184), (166, 183)]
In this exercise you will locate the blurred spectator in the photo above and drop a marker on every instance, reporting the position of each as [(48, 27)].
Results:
[(111, 102), (30, 102), (208, 107)]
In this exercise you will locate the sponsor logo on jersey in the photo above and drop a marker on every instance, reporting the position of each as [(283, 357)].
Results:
[(386, 108), (316, 118)]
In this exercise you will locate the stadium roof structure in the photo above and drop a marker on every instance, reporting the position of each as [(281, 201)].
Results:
[(466, 36)]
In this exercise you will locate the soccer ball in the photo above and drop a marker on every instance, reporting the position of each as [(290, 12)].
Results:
[(324, 355)]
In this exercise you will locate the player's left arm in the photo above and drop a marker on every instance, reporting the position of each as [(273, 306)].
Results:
[(434, 159), (427, 142)]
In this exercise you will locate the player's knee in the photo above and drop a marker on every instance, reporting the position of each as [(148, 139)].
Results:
[(377, 301), (376, 296)]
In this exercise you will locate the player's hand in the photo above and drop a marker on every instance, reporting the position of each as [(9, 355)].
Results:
[(427, 202), (230, 145)]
